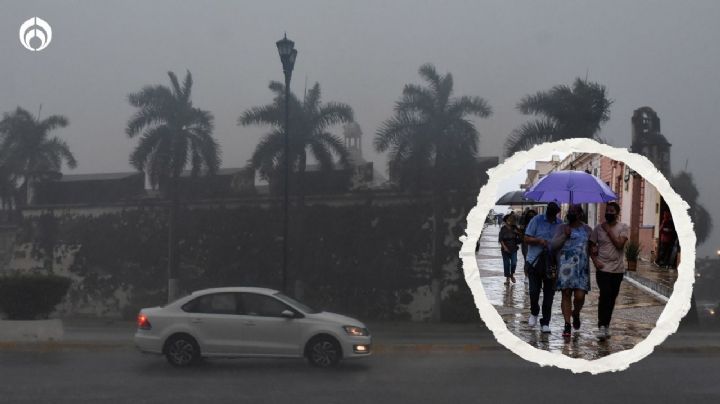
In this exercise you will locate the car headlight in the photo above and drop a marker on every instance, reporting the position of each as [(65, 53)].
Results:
[(355, 331)]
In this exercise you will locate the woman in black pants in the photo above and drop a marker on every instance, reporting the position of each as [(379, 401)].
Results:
[(608, 241)]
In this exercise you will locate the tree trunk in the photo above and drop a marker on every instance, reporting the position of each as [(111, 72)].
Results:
[(29, 191), (300, 241), (437, 275), (173, 280)]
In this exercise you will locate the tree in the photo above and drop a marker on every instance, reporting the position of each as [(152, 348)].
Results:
[(684, 184), (565, 112), (173, 134), (310, 121), (430, 136), (28, 152)]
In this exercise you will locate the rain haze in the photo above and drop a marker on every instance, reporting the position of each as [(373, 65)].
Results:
[(310, 241), (661, 54)]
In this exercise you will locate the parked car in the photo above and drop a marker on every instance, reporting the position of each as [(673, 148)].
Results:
[(248, 322)]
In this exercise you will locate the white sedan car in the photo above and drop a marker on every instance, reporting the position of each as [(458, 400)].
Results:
[(248, 322)]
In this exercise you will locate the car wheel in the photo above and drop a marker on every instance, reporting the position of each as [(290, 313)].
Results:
[(323, 352), (182, 350)]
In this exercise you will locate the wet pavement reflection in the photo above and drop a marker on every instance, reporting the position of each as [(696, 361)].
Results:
[(635, 315)]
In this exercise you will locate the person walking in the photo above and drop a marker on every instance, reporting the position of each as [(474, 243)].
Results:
[(608, 242), (572, 244), (667, 240), (509, 240), (538, 234), (527, 217)]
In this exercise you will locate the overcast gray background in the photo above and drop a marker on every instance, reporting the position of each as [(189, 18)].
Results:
[(663, 54)]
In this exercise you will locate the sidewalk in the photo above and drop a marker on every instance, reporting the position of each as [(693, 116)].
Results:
[(657, 279), (635, 315)]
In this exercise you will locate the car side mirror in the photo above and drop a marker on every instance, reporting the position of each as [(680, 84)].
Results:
[(287, 314)]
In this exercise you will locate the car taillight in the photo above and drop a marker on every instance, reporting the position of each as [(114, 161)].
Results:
[(143, 323)]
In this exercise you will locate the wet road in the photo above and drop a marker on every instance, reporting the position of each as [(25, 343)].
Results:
[(499, 376), (635, 313)]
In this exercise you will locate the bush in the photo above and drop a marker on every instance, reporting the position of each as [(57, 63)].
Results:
[(27, 297)]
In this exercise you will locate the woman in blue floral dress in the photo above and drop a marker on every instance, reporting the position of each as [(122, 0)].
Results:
[(571, 245)]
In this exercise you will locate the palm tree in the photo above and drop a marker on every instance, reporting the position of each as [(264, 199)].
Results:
[(429, 136), (28, 152), (566, 112), (310, 121), (173, 134)]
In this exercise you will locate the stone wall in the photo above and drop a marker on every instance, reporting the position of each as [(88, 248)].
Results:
[(366, 258)]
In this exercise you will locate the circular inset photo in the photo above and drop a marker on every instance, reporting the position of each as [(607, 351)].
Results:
[(580, 255)]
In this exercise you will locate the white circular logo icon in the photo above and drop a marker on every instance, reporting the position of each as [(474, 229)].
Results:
[(35, 34)]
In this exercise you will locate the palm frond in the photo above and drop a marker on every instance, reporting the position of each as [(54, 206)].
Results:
[(268, 153), (58, 147), (333, 113), (417, 99), (334, 145), (530, 134), (143, 118), (445, 90), (187, 86), (208, 151), (53, 122), (430, 74), (277, 88), (540, 103), (323, 156), (156, 96), (270, 114), (175, 83), (157, 138), (466, 105), (391, 131)]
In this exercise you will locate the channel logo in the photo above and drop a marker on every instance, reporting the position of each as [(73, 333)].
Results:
[(35, 34)]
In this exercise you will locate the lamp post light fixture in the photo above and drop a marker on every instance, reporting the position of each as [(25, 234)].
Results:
[(288, 53)]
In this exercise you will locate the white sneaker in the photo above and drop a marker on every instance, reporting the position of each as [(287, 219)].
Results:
[(546, 329), (532, 320)]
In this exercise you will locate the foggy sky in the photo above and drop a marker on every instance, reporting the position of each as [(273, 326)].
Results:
[(663, 54)]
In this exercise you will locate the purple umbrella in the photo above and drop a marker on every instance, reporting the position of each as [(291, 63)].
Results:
[(570, 187)]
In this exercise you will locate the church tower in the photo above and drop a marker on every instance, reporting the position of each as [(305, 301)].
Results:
[(649, 141), (353, 142)]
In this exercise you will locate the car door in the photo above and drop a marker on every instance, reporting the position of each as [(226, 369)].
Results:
[(266, 331), (215, 321)]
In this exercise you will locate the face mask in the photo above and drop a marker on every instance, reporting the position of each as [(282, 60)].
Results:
[(571, 217), (609, 217)]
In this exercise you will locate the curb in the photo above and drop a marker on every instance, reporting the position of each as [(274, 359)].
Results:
[(59, 346), (72, 346), (656, 289)]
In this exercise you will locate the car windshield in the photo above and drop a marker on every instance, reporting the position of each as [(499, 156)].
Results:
[(302, 307)]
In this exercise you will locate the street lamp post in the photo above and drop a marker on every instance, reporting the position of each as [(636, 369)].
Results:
[(288, 53)]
